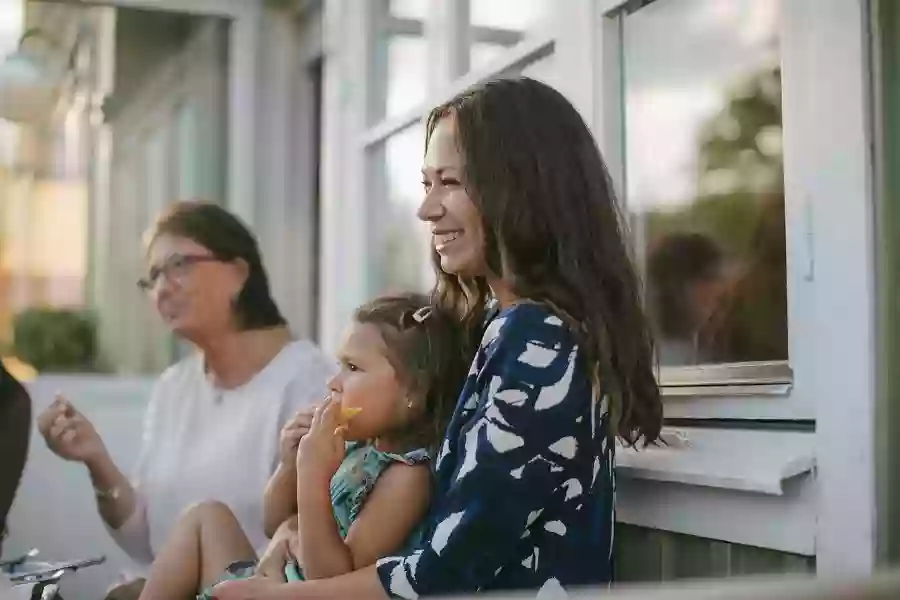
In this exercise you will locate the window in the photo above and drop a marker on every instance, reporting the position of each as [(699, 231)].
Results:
[(398, 60), (401, 244), (704, 177), (417, 53), (497, 25), (542, 69), (187, 144), (156, 174)]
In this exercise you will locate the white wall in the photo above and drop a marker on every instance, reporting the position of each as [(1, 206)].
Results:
[(54, 509)]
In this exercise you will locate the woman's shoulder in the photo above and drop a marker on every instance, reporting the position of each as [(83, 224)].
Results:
[(304, 355), (527, 323), (185, 372)]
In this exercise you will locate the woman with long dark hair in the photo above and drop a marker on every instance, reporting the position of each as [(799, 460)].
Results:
[(526, 236)]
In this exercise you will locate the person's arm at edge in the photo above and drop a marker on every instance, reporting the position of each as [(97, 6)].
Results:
[(15, 425), (280, 498)]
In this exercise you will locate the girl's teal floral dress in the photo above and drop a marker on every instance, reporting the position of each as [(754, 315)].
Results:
[(362, 466)]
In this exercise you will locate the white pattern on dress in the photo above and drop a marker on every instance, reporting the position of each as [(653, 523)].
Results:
[(443, 532), (537, 356), (557, 527), (470, 452), (553, 395), (566, 447), (400, 584), (573, 488)]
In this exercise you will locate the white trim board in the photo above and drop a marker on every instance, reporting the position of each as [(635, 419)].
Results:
[(786, 523), (739, 460), (218, 8)]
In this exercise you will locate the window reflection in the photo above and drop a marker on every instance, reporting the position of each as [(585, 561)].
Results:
[(497, 25), (704, 176), (400, 261)]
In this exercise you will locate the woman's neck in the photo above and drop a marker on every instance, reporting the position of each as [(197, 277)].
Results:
[(236, 357), (502, 292)]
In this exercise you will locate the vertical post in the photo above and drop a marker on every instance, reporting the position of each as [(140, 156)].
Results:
[(829, 49), (446, 31), (347, 40), (243, 60)]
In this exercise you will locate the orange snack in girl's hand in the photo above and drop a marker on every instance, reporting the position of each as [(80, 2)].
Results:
[(348, 413)]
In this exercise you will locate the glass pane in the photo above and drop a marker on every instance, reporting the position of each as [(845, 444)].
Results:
[(704, 176), (542, 70), (156, 175), (399, 68), (188, 167), (409, 9), (400, 260), (497, 25)]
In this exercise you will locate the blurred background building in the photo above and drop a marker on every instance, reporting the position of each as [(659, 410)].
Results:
[(752, 143)]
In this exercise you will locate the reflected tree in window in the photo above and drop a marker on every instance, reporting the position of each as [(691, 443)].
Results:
[(740, 301)]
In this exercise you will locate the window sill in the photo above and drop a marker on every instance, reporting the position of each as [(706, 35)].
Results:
[(738, 460)]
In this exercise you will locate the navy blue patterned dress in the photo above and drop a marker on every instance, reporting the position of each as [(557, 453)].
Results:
[(525, 487)]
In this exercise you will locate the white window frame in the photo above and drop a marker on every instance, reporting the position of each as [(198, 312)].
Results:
[(828, 197), (828, 513), (246, 22), (348, 137), (775, 399)]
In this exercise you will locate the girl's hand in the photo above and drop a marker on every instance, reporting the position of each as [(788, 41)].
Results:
[(291, 434), (321, 451), (271, 565)]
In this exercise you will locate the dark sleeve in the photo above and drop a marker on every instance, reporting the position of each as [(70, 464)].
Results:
[(15, 430), (513, 458)]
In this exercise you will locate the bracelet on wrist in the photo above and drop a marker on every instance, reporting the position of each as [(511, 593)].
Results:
[(110, 494)]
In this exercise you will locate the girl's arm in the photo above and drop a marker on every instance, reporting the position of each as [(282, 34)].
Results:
[(394, 508), (280, 499)]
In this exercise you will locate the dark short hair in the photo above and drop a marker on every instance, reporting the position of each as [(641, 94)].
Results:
[(424, 346), (228, 239), (553, 230)]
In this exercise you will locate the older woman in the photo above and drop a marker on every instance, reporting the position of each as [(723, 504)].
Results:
[(212, 426)]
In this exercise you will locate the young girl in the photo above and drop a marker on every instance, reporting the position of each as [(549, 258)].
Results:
[(362, 472)]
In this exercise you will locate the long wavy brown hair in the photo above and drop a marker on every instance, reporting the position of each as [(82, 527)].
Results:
[(554, 233)]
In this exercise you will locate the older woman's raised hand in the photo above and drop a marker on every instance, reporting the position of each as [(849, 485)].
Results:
[(69, 434)]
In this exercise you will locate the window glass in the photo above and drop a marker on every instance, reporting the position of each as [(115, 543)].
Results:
[(399, 65), (497, 25), (400, 260), (705, 177)]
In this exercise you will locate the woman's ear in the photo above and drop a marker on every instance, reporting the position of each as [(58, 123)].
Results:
[(241, 272)]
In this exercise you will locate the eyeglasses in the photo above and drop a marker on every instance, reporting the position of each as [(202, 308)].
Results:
[(176, 268)]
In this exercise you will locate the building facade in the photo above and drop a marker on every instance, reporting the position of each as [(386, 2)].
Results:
[(755, 133)]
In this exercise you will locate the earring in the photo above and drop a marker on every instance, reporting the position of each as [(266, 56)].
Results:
[(409, 403)]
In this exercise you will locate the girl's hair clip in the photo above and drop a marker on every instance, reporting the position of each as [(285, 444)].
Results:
[(422, 314)]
